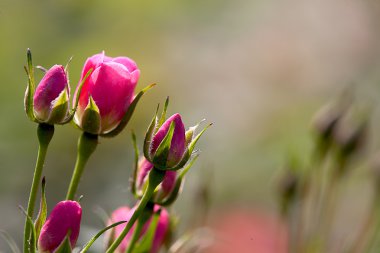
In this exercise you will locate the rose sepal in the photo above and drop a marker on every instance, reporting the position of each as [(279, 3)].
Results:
[(128, 114), (91, 118), (171, 198), (71, 113), (149, 136), (30, 89), (189, 150), (60, 107), (161, 155), (65, 246)]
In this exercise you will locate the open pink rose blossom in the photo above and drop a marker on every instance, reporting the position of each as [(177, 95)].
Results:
[(111, 86)]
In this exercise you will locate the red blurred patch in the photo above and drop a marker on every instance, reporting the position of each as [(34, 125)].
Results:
[(241, 231)]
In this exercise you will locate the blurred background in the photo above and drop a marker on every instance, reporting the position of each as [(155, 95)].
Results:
[(258, 69)]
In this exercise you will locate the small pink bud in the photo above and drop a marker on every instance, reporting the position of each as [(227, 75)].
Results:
[(178, 143), (125, 213), (64, 218), (164, 188), (111, 86), (52, 91)]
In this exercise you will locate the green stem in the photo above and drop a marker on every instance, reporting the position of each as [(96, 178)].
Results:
[(45, 133), (86, 146), (145, 216), (155, 178)]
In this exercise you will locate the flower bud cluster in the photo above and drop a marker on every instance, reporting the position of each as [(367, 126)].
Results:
[(103, 103)]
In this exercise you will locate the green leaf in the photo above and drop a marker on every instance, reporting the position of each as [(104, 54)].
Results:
[(65, 246), (93, 239), (33, 238), (10, 242), (136, 165), (91, 118), (190, 149), (161, 156), (149, 136), (146, 242), (163, 114), (73, 110), (128, 114), (42, 214), (60, 107)]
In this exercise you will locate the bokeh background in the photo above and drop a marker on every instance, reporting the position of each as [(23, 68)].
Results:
[(258, 69)]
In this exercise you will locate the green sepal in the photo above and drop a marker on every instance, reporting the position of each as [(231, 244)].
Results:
[(32, 238), (128, 114), (190, 133), (90, 121), (145, 244), (161, 156), (163, 114), (178, 186), (149, 136), (136, 165), (67, 65), (10, 241), (190, 149), (60, 107), (75, 106), (42, 214), (93, 239), (44, 70), (28, 99), (65, 246)]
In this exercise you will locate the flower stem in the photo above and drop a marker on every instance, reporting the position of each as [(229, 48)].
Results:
[(86, 146), (155, 178), (45, 133), (144, 217)]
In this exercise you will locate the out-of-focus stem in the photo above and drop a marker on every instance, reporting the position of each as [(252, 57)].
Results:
[(313, 176), (374, 231), (155, 178), (365, 232), (45, 133), (144, 217)]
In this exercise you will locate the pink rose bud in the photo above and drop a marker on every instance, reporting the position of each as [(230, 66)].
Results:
[(164, 189), (167, 145), (51, 98), (125, 213), (177, 146), (106, 93), (64, 219)]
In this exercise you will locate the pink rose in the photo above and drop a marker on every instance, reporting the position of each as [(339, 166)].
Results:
[(109, 90), (64, 218), (51, 96), (125, 213)]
